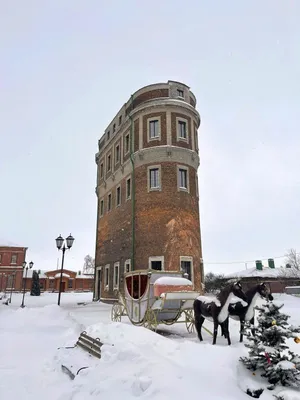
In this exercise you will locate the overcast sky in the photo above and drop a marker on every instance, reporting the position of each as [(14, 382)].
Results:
[(68, 66)]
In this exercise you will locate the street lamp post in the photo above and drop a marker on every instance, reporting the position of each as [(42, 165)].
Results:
[(63, 244), (25, 267)]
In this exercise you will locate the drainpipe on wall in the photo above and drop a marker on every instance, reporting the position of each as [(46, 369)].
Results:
[(132, 189)]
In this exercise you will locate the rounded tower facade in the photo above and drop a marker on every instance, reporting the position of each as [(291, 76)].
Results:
[(147, 188)]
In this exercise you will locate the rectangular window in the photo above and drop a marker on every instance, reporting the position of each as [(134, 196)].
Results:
[(109, 202), (120, 119), (183, 178), (186, 268), (117, 153), (118, 196), (70, 284), (101, 207), (153, 129), (182, 130), (108, 135), (156, 263), (179, 93), (127, 143), (10, 281), (128, 188), (154, 178), (101, 170), (116, 275), (14, 259), (106, 277), (114, 128), (0, 258), (127, 266), (108, 163)]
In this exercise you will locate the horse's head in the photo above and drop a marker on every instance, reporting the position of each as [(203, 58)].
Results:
[(265, 291), (237, 290)]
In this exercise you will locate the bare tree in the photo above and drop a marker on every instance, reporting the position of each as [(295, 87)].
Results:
[(291, 264), (89, 265), (214, 282)]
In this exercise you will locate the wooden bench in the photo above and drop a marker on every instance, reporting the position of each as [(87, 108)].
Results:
[(87, 343)]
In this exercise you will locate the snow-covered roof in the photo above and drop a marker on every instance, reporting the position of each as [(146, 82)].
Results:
[(30, 272), (84, 276), (265, 273), (7, 243), (63, 274)]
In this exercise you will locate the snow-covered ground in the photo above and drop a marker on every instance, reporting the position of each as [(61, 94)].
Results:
[(172, 365)]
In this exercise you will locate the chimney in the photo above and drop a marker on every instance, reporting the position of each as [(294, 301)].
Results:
[(271, 263), (258, 265)]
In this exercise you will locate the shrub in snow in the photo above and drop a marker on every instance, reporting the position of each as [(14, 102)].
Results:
[(268, 352), (35, 285)]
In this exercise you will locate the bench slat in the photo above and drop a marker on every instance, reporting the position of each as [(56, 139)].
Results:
[(89, 349)]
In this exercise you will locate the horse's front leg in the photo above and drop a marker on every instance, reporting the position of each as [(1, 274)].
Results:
[(216, 324), (226, 331), (242, 327)]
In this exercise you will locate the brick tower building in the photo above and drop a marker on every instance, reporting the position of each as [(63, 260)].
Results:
[(147, 188)]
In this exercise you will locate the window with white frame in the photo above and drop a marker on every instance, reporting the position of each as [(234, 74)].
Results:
[(179, 93), (116, 275), (101, 207), (186, 267), (14, 259), (197, 185), (127, 266), (127, 143), (106, 277), (153, 129), (156, 263), (182, 129), (183, 183), (154, 178), (109, 202), (128, 188)]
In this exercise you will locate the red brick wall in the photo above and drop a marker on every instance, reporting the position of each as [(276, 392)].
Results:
[(150, 95), (181, 143), (163, 139), (6, 254), (167, 221)]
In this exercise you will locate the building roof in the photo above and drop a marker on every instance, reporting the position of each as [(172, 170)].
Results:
[(30, 273), (265, 273), (7, 243)]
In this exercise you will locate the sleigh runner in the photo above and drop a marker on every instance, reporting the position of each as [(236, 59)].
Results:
[(156, 297)]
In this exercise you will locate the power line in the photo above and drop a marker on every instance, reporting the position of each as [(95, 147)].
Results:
[(244, 262)]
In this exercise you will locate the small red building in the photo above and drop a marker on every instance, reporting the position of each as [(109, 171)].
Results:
[(71, 281), (11, 266)]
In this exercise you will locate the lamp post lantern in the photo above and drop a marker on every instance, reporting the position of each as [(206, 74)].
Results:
[(63, 245), (25, 267)]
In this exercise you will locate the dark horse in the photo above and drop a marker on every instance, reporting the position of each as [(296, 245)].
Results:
[(245, 313), (216, 309)]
